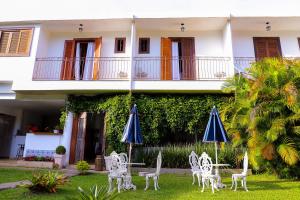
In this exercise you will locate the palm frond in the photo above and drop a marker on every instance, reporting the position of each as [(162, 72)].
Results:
[(288, 152)]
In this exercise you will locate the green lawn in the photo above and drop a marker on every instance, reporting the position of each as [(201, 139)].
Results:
[(172, 187), (11, 175)]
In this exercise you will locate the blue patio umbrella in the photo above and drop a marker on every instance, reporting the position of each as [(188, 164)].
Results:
[(132, 131), (215, 131)]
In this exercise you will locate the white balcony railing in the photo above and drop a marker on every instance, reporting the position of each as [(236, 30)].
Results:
[(144, 68)]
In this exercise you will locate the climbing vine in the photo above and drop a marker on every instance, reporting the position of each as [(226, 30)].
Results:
[(164, 118)]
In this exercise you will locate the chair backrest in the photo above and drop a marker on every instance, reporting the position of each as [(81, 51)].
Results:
[(245, 164), (205, 164), (108, 164), (123, 157), (193, 160), (158, 163)]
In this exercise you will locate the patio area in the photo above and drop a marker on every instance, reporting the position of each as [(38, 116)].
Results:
[(173, 186)]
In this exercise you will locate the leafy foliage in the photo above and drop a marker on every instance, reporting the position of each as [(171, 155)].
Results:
[(96, 193), (265, 115), (164, 118), (61, 150), (82, 166), (46, 182), (176, 156)]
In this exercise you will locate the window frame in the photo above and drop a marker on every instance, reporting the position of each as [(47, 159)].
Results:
[(14, 29), (147, 39), (116, 44)]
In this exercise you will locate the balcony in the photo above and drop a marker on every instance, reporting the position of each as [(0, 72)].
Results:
[(144, 68)]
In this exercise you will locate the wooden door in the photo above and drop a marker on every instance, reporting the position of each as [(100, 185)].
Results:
[(98, 45), (188, 58), (68, 60), (166, 59), (73, 139), (80, 141), (6, 134), (267, 47)]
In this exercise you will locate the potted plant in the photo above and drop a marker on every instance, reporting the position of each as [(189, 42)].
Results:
[(59, 156)]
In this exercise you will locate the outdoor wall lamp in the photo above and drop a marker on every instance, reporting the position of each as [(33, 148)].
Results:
[(268, 26), (80, 29), (182, 28)]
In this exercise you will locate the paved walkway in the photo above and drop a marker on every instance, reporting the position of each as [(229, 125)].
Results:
[(11, 185)]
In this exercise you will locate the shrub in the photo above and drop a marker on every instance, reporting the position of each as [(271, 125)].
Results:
[(46, 182), (61, 150), (96, 193), (177, 156), (82, 166)]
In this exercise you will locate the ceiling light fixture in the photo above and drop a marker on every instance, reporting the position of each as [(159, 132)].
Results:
[(182, 28), (80, 29), (268, 26)]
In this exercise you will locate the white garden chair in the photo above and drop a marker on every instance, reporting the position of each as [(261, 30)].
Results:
[(206, 168), (117, 170), (241, 176), (154, 175), (195, 168)]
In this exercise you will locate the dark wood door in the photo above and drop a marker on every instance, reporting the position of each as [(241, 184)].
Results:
[(6, 133), (80, 143), (166, 59), (188, 58), (267, 47)]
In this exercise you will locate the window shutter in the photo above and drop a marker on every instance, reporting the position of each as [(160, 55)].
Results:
[(14, 42), (97, 54), (166, 56), (4, 42), (188, 58), (266, 47), (68, 60), (25, 42)]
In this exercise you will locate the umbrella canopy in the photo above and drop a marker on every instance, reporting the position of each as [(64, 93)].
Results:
[(215, 131), (132, 131)]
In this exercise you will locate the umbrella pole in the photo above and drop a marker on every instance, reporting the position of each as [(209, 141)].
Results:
[(129, 158), (216, 151)]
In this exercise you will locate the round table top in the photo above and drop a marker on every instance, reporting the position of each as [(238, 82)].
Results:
[(221, 165)]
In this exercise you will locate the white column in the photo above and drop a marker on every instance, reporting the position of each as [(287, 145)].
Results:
[(133, 48), (227, 45), (66, 137)]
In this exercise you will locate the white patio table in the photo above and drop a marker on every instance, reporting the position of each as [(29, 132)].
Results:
[(219, 184), (127, 179)]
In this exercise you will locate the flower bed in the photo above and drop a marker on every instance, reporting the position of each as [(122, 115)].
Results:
[(39, 158)]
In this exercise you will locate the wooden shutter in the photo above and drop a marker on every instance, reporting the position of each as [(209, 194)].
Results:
[(188, 58), (73, 139), (98, 45), (25, 42), (68, 60), (266, 47), (5, 38), (166, 59), (80, 142), (298, 41)]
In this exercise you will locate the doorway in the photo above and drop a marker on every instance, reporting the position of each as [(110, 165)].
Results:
[(88, 137), (6, 132), (178, 58)]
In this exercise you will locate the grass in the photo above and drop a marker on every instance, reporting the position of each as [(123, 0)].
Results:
[(12, 175), (172, 187)]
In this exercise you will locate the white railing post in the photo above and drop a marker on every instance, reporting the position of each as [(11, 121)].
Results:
[(133, 48)]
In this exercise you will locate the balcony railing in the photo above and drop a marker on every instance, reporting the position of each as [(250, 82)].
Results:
[(144, 68)]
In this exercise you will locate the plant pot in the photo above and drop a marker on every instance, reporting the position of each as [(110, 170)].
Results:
[(56, 131), (60, 160)]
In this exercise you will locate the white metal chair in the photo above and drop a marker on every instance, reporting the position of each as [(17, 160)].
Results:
[(241, 176), (154, 175), (117, 170), (206, 168), (195, 168)]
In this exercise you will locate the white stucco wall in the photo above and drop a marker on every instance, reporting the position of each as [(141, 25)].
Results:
[(20, 68), (243, 42)]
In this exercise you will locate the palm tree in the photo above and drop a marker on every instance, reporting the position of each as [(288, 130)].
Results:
[(265, 115)]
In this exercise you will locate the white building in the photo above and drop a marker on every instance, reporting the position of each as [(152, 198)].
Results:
[(51, 49)]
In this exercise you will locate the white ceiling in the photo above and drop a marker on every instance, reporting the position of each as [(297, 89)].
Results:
[(38, 105)]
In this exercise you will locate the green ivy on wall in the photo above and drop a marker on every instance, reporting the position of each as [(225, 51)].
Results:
[(164, 118)]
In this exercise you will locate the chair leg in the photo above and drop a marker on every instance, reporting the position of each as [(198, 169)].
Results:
[(212, 182), (147, 183), (242, 183), (193, 178), (119, 181), (198, 177), (110, 184), (235, 183), (203, 184), (155, 182), (245, 184), (232, 181)]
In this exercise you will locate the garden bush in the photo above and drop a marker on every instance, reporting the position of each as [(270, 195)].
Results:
[(46, 182), (177, 156), (61, 150), (82, 166)]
